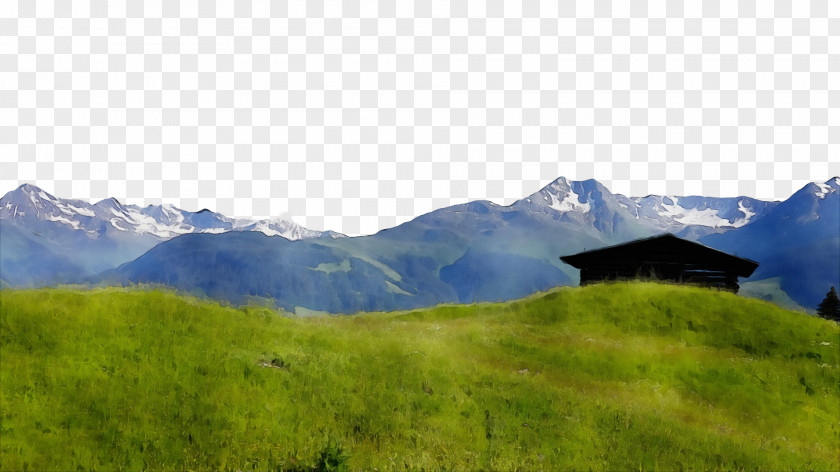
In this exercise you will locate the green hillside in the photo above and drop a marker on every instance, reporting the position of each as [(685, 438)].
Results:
[(605, 377)]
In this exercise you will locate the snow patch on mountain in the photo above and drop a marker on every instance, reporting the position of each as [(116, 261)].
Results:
[(77, 210), (748, 214), (115, 224), (266, 229), (281, 226), (701, 217), (45, 196), (568, 202), (560, 196), (824, 190), (65, 210), (61, 219), (147, 224)]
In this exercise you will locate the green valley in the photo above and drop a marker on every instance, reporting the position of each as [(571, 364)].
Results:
[(617, 376)]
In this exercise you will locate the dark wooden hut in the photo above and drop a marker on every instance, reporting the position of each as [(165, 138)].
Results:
[(665, 257)]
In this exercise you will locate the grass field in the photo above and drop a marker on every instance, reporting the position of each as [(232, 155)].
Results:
[(631, 376)]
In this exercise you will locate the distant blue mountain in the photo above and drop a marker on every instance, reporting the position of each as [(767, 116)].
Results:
[(797, 241), (305, 273)]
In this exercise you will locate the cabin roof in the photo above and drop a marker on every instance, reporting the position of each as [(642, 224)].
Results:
[(661, 249)]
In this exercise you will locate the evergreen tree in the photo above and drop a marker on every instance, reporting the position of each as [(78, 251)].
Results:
[(830, 306)]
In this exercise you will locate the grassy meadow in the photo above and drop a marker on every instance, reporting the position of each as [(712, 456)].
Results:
[(628, 376)]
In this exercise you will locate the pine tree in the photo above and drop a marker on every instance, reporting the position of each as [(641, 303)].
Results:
[(830, 306)]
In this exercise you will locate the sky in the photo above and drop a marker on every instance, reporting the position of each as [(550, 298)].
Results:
[(357, 116)]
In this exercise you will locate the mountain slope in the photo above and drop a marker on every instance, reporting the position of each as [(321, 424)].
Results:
[(306, 273), (798, 242), (611, 377), (25, 261)]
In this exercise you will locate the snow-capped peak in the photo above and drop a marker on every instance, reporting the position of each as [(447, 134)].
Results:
[(29, 200), (560, 196), (568, 201), (830, 186), (33, 191), (29, 194), (111, 203), (285, 227), (824, 190), (30, 206), (560, 183)]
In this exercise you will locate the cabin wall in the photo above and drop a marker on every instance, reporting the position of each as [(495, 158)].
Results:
[(692, 274)]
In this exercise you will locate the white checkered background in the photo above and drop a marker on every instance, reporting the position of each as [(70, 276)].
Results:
[(356, 116)]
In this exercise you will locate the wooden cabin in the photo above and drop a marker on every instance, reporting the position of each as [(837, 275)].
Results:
[(665, 257)]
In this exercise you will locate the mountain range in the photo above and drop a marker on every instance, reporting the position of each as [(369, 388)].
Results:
[(476, 251), (39, 230)]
